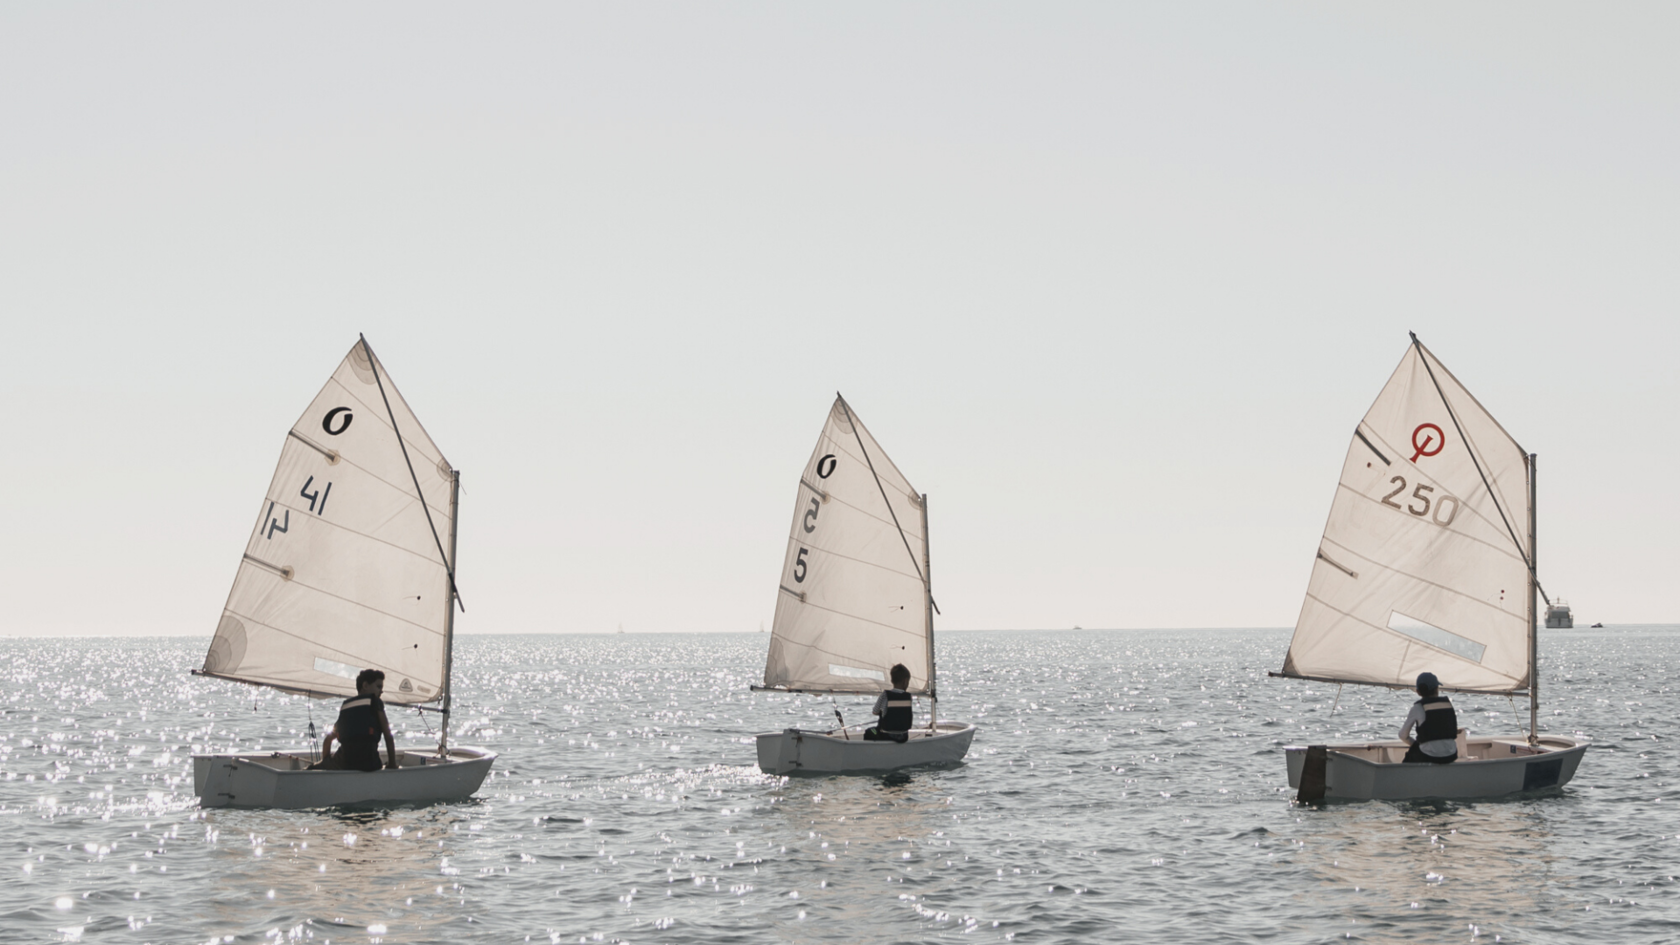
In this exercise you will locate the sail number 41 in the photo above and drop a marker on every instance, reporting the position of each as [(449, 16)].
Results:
[(1440, 504)]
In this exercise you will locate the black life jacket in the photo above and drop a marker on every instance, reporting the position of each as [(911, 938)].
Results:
[(898, 716), (1440, 722), (358, 719)]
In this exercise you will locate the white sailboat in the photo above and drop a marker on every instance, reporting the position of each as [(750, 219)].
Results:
[(347, 569), (1427, 565), (855, 598)]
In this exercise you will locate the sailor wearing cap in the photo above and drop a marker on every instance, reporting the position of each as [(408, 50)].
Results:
[(1436, 724)]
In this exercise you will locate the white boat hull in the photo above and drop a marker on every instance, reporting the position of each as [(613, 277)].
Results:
[(843, 751), (1486, 768), (281, 780)]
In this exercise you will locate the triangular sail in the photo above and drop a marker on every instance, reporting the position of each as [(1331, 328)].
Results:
[(343, 571), (1422, 567), (853, 599)]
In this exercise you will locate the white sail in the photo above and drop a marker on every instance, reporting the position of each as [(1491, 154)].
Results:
[(853, 596), (343, 571), (1420, 568)]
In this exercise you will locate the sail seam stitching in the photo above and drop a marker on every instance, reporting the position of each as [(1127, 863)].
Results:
[(448, 566), (1472, 509), (368, 472), (349, 657), (300, 690), (890, 511), (359, 534), (836, 554), (338, 597), (1421, 580), (829, 497), (843, 444), (373, 410), (842, 613), (352, 658), (1420, 521), (1471, 449), (1409, 641)]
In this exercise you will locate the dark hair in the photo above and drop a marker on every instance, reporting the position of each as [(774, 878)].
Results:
[(369, 675), (900, 676)]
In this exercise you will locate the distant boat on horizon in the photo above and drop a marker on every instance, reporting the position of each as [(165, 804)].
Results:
[(1559, 616)]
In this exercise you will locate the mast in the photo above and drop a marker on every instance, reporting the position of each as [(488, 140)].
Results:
[(449, 614), (927, 594), (1533, 613)]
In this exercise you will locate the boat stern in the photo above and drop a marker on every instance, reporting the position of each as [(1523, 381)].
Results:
[(1487, 767), (283, 780), (774, 754), (797, 751)]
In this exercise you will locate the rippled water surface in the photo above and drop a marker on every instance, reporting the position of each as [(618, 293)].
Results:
[(1124, 786)]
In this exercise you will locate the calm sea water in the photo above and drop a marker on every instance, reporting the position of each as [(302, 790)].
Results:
[(1124, 786)]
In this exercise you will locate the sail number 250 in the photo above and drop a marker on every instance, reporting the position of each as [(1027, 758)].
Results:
[(1418, 495)]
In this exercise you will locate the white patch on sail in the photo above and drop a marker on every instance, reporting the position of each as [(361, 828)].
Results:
[(336, 669), (1435, 636), (835, 669)]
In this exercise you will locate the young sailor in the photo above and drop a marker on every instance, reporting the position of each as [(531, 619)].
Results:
[(1436, 724), (361, 721), (894, 707)]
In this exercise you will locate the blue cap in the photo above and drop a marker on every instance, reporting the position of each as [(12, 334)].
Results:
[(1428, 681)]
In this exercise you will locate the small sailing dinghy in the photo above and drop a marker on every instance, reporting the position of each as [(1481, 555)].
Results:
[(855, 599), (347, 569), (1427, 565)]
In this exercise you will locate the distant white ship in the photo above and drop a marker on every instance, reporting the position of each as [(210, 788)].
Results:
[(1558, 615)]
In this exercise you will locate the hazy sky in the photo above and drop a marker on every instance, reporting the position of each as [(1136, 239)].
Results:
[(1112, 283)]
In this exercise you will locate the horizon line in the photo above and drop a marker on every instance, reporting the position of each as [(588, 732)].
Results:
[(612, 633)]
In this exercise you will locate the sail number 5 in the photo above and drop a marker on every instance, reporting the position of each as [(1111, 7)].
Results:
[(1440, 504)]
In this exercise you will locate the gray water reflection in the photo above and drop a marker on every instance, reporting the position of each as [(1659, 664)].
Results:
[(1123, 786), (1417, 871), (384, 874)]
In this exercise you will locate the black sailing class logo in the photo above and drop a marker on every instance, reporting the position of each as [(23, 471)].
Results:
[(327, 421)]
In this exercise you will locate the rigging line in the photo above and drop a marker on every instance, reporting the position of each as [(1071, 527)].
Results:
[(1397, 685), (902, 537), (1468, 448), (448, 565)]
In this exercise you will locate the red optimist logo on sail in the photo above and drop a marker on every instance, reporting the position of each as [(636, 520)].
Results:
[(1427, 440)]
